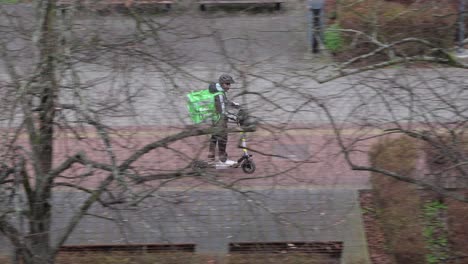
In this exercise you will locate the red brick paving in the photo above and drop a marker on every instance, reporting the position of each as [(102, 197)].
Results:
[(324, 167)]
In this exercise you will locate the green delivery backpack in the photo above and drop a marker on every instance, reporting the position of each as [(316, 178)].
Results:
[(201, 106)]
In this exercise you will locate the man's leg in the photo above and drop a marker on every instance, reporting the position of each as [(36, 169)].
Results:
[(222, 143), (212, 147), (222, 137)]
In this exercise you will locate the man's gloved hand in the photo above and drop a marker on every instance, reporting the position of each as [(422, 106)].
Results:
[(231, 117), (235, 105)]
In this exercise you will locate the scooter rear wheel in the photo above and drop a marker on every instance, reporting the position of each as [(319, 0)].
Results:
[(248, 166)]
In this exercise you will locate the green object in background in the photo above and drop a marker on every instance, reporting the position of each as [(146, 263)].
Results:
[(8, 2), (333, 39), (201, 105)]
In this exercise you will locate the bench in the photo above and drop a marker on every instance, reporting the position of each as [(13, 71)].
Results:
[(203, 3), (134, 3), (103, 4)]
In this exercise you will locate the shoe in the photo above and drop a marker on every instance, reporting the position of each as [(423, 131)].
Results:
[(211, 158), (230, 162)]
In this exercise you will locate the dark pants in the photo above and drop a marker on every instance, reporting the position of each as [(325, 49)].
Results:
[(220, 138)]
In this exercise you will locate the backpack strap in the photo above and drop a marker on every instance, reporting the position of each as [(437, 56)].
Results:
[(222, 97)]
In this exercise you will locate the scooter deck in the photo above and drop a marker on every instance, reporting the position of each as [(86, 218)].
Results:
[(221, 166), (216, 165)]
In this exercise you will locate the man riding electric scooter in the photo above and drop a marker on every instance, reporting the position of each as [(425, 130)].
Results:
[(220, 121), (219, 138)]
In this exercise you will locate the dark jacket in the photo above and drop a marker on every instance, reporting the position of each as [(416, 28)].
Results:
[(221, 101)]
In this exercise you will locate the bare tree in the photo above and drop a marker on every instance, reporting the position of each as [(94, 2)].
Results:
[(425, 103), (69, 79), (69, 82), (45, 94)]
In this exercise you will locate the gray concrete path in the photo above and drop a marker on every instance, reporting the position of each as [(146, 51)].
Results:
[(212, 219)]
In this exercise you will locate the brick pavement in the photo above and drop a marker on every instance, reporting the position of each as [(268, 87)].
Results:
[(296, 157), (301, 191)]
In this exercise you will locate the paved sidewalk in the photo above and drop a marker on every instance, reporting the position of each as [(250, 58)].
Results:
[(211, 219), (285, 158)]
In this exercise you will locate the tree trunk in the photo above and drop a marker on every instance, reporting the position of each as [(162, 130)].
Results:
[(38, 241)]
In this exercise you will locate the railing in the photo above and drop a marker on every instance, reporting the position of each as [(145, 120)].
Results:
[(130, 248), (203, 3), (332, 249)]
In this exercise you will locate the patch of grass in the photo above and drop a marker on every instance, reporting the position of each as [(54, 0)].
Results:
[(452, 149), (9, 1), (435, 232), (457, 217)]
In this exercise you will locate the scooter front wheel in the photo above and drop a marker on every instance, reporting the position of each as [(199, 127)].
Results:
[(248, 166)]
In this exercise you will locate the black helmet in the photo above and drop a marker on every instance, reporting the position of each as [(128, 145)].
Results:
[(224, 78)]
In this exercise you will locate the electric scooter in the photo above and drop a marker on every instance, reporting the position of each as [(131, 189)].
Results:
[(247, 123)]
